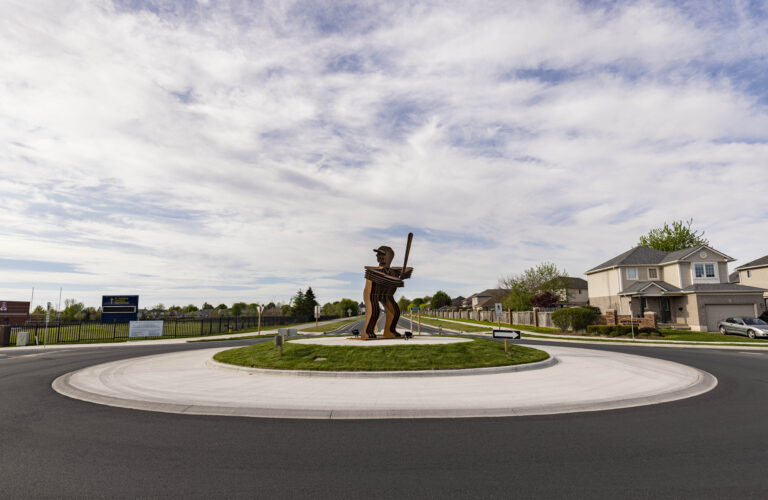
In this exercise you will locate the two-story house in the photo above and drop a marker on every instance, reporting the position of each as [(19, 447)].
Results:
[(755, 273), (577, 293), (687, 287)]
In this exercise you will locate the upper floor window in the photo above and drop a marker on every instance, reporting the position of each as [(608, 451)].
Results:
[(749, 273), (631, 273), (653, 273), (704, 270)]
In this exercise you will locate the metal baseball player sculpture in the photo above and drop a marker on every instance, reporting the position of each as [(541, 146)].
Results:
[(380, 285)]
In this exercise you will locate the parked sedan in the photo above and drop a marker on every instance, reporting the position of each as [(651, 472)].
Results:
[(740, 325)]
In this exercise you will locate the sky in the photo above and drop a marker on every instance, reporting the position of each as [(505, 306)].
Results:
[(227, 151)]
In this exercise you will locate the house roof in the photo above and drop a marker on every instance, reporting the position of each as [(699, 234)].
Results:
[(490, 296), (734, 277), (721, 287), (762, 261), (576, 282), (645, 256), (639, 286)]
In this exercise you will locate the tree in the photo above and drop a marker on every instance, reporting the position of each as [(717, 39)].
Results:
[(545, 277), (207, 306), (303, 304), (347, 304), (238, 308), (544, 299), (440, 299), (190, 308), (678, 236), (222, 307), (403, 302)]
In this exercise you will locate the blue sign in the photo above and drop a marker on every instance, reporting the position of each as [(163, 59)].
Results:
[(119, 308)]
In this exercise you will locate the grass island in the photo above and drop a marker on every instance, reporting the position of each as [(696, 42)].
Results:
[(478, 353)]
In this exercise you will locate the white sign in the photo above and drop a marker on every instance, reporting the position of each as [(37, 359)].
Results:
[(22, 338), (317, 311), (145, 329), (506, 334), (499, 311)]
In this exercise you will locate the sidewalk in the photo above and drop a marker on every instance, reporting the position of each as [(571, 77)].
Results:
[(564, 337), (573, 380)]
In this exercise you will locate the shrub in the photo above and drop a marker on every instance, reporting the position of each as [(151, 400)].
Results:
[(600, 329), (574, 318), (646, 330)]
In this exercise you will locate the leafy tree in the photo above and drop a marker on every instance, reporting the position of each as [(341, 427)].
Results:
[(190, 308), (544, 299), (678, 236), (38, 310), (403, 303), (285, 310), (175, 308), (206, 306), (347, 304), (417, 301), (238, 308), (545, 277), (518, 298), (222, 307), (440, 299), (159, 307)]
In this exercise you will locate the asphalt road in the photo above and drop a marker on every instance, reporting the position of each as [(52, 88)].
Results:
[(711, 446)]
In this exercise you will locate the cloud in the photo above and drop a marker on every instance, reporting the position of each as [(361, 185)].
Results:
[(229, 150)]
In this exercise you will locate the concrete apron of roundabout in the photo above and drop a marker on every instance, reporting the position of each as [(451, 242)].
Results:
[(572, 380)]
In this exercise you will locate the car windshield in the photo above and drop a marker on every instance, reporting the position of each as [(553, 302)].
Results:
[(754, 321)]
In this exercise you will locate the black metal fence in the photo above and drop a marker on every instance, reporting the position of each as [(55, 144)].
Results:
[(58, 332)]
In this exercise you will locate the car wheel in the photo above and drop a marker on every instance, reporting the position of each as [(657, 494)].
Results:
[(751, 334), (723, 330)]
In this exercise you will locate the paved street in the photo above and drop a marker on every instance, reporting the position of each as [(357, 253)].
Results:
[(702, 447)]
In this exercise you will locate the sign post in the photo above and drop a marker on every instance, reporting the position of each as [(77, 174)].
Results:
[(279, 344), (506, 335), (631, 320), (418, 315), (317, 316), (47, 319), (260, 309), (499, 312), (349, 312)]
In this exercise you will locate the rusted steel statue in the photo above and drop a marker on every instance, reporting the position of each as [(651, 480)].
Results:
[(380, 285)]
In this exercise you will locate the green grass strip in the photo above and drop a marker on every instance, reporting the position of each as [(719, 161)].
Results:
[(478, 353)]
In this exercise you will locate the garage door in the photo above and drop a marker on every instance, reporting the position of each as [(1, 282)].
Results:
[(715, 313)]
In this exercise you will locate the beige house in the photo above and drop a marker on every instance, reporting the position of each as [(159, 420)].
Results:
[(576, 294), (755, 274), (687, 287)]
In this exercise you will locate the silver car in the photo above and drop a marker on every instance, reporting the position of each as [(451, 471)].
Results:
[(740, 325)]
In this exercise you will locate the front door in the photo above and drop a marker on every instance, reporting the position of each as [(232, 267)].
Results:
[(666, 314)]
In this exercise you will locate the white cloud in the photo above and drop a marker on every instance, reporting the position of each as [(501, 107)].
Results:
[(189, 154)]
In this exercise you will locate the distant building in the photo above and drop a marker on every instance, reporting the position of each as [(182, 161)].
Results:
[(13, 312)]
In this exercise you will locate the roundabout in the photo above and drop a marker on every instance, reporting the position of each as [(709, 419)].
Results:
[(570, 380)]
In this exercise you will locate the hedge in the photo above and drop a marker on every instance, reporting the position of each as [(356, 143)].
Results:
[(617, 330), (574, 318)]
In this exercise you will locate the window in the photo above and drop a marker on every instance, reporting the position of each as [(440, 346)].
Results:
[(749, 273), (709, 270), (705, 271), (653, 273), (631, 273)]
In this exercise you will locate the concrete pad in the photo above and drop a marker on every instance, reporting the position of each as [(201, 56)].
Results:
[(581, 380), (381, 342)]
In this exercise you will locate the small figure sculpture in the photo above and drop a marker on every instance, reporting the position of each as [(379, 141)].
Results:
[(380, 285)]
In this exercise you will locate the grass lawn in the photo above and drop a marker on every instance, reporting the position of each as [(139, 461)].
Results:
[(476, 354), (330, 326), (464, 327), (490, 325)]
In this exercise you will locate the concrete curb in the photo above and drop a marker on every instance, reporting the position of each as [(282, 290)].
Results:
[(705, 383), (551, 361)]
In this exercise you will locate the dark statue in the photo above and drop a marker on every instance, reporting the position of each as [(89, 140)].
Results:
[(380, 285)]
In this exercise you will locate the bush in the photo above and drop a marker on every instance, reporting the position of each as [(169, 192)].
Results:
[(601, 329), (646, 330), (574, 318)]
